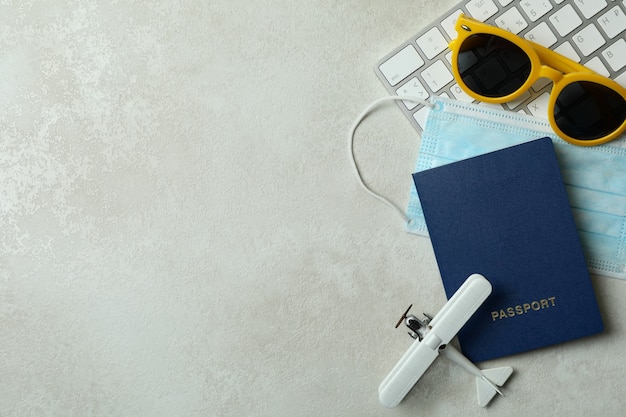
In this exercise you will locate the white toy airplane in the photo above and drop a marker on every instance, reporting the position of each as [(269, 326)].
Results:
[(433, 336)]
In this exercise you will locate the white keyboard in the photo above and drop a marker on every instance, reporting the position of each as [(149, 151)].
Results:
[(591, 32)]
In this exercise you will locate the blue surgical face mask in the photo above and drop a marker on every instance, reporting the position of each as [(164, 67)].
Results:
[(595, 177)]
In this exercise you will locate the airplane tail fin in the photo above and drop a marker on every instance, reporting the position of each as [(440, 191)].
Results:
[(488, 383)]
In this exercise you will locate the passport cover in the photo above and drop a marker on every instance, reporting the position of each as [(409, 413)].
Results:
[(506, 215)]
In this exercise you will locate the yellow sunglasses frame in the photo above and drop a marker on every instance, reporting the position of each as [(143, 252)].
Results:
[(546, 63)]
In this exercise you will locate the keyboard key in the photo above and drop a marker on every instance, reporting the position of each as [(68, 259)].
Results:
[(566, 49), (461, 95), (590, 7), (413, 88), (542, 35), (421, 115), (536, 8), (481, 9), (589, 40), (515, 103), (565, 20), (539, 106), (596, 65), (592, 32), (512, 20), (449, 23), (615, 55), (541, 83), (432, 43), (621, 79), (613, 22), (437, 76), (401, 65)]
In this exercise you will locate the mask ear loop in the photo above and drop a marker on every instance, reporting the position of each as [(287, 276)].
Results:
[(356, 124)]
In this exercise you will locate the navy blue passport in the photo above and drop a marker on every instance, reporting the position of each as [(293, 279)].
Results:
[(506, 215)]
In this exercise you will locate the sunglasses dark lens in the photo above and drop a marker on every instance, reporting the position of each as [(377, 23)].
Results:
[(492, 66), (585, 110)]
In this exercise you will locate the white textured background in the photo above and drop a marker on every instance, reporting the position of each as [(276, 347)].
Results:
[(181, 233)]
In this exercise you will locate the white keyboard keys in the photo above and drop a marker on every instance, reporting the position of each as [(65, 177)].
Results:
[(542, 35), (461, 95), (596, 65), (539, 106), (590, 7), (437, 76), (589, 31), (432, 43), (540, 84), (613, 22), (449, 23), (512, 20), (621, 80), (615, 55), (420, 116), (589, 40), (513, 104), (565, 20), (481, 9), (401, 65), (566, 49), (413, 88), (536, 8)]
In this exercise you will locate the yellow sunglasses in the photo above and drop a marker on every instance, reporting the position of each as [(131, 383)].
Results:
[(495, 66)]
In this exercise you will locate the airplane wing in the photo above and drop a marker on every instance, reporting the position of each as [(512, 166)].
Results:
[(444, 326), (457, 311), (406, 373)]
